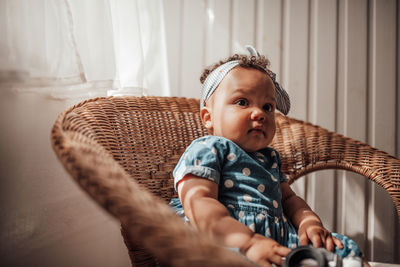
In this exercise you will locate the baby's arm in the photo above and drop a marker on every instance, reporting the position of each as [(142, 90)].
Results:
[(308, 223), (207, 214)]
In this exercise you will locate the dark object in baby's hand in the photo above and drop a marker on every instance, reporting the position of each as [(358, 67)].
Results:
[(307, 256)]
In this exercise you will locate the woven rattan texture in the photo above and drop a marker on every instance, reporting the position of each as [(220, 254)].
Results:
[(118, 147)]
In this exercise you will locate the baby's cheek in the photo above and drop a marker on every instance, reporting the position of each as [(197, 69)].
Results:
[(272, 127), (271, 133)]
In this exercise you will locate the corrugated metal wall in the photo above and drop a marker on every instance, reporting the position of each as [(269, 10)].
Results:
[(339, 61)]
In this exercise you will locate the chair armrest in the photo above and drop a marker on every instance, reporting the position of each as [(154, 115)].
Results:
[(146, 219), (306, 148)]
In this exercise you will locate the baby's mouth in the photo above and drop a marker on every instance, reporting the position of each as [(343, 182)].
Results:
[(255, 130)]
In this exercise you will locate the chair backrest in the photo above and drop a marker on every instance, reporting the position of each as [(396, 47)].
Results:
[(144, 135), (147, 135)]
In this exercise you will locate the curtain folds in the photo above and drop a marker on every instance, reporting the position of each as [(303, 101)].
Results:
[(73, 48)]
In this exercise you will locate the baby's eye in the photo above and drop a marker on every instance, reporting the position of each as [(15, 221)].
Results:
[(268, 107), (242, 102)]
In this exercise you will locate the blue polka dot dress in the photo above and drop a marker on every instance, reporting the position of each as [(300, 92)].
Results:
[(248, 186)]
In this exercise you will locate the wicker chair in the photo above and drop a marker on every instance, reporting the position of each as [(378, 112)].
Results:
[(121, 151)]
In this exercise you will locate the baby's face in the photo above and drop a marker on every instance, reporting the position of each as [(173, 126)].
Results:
[(242, 109)]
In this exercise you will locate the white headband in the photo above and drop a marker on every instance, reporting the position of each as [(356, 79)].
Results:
[(216, 76)]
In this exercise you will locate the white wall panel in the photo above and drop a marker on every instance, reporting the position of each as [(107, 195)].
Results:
[(218, 30), (322, 96), (338, 60), (398, 83), (397, 220), (296, 48), (295, 63), (243, 24), (269, 32), (352, 113), (382, 118)]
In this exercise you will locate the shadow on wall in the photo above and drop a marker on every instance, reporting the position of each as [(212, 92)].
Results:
[(381, 244), (348, 209), (46, 220)]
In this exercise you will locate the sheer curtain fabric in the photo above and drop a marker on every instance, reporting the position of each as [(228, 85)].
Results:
[(73, 48)]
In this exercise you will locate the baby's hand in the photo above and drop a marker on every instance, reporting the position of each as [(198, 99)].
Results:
[(264, 251), (319, 236)]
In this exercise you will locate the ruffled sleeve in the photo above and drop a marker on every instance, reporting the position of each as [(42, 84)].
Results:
[(203, 158)]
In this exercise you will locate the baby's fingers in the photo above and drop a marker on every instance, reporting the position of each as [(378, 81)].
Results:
[(279, 252), (277, 259), (264, 264), (329, 243), (337, 242), (282, 251), (303, 239), (316, 240)]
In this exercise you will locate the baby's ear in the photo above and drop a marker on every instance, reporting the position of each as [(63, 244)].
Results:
[(205, 115)]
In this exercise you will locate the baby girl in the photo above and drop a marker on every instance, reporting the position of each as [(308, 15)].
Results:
[(230, 183)]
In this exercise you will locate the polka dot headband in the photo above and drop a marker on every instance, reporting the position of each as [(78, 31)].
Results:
[(216, 76)]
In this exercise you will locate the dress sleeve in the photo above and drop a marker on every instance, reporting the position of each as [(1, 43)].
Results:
[(203, 158), (282, 175)]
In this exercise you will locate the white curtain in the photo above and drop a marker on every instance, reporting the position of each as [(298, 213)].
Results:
[(75, 48)]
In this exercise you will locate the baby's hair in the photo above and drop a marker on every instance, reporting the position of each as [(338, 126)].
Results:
[(261, 63)]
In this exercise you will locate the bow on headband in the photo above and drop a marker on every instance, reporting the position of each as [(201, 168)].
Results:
[(217, 75)]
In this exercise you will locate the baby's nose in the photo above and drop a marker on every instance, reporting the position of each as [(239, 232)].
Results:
[(257, 114)]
